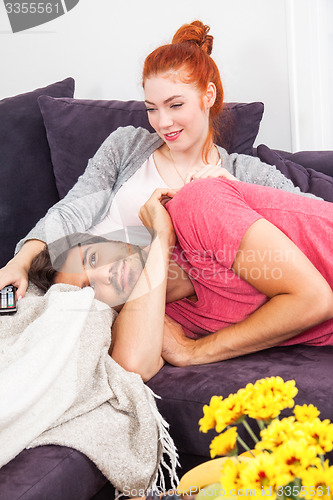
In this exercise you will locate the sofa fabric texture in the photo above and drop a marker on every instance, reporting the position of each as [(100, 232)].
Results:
[(193, 386), (307, 179), (27, 187), (39, 165), (50, 473)]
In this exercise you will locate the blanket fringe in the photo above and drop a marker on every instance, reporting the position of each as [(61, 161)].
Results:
[(168, 448)]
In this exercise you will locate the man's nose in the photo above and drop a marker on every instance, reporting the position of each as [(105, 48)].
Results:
[(100, 275)]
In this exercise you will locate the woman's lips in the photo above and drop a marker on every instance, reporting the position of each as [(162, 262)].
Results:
[(172, 136)]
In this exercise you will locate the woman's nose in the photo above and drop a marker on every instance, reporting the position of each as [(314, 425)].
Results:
[(164, 120)]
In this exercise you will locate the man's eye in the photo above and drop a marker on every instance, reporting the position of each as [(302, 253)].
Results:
[(92, 259)]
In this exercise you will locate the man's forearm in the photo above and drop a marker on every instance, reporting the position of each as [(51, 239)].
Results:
[(138, 330), (281, 318)]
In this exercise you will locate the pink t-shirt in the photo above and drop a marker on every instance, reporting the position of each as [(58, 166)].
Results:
[(210, 218)]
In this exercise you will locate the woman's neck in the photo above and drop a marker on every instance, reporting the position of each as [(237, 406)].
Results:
[(186, 161)]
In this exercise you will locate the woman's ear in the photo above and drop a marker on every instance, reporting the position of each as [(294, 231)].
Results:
[(210, 95)]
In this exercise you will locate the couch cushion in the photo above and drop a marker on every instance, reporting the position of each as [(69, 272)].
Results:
[(322, 161), (50, 472), (184, 390), (239, 126), (77, 127), (27, 187), (307, 179)]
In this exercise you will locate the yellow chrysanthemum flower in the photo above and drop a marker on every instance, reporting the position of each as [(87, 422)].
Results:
[(306, 412), (229, 411), (277, 433), (317, 482), (264, 474), (319, 434), (231, 476), (295, 456), (208, 421), (269, 396), (224, 443), (263, 407)]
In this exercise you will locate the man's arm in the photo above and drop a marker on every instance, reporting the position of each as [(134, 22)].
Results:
[(138, 331), (299, 298)]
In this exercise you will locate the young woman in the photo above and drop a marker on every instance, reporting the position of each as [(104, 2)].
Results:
[(251, 269), (184, 97)]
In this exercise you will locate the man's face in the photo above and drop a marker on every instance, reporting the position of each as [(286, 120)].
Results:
[(110, 268)]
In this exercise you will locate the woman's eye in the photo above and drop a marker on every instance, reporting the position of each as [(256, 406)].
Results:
[(92, 259), (176, 105), (149, 110)]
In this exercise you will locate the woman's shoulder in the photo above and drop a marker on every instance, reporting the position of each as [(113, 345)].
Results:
[(134, 135), (233, 156)]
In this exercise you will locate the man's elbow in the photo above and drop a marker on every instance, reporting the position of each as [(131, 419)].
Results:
[(320, 304), (145, 369)]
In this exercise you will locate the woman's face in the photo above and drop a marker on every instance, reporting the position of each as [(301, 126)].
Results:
[(110, 268), (176, 111)]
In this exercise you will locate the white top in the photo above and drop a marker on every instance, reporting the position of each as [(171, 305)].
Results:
[(122, 222)]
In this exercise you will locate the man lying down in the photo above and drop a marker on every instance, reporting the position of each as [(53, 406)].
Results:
[(58, 384), (232, 262)]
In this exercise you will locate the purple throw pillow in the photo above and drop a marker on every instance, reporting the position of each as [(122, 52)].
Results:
[(321, 161), (307, 179), (27, 188), (77, 127), (239, 126)]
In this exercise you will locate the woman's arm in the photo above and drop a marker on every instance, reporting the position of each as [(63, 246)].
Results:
[(88, 200), (137, 334), (299, 298), (75, 213), (16, 271), (86, 203)]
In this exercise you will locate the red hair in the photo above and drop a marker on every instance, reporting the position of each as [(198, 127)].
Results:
[(189, 54)]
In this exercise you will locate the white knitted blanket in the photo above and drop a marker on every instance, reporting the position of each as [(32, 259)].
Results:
[(58, 385)]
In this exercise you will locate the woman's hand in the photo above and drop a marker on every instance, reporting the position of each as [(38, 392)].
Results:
[(16, 271), (155, 217), (177, 348), (14, 274), (209, 171)]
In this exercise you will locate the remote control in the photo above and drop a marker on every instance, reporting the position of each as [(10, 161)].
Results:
[(7, 300)]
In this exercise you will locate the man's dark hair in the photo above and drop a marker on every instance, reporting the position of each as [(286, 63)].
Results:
[(46, 265), (41, 272)]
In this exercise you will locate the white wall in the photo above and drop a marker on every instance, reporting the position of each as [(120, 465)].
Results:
[(310, 50), (102, 44)]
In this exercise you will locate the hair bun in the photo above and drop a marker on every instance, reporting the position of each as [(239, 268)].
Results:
[(196, 33)]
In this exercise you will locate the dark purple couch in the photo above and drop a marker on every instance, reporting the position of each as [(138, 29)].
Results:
[(45, 143)]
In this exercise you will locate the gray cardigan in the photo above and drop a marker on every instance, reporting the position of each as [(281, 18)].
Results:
[(121, 154)]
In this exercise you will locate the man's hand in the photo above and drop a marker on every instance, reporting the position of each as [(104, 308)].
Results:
[(177, 348), (155, 217)]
